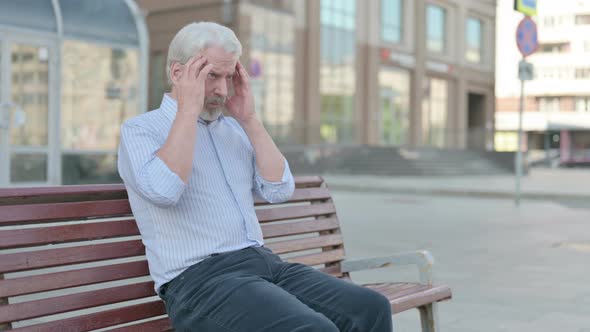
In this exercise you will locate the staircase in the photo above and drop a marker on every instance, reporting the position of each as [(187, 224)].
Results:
[(393, 161)]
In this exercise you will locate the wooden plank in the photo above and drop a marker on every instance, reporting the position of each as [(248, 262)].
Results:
[(333, 271), (415, 300), (34, 213), (299, 227), (60, 304), (283, 247), (18, 238), (308, 181), (158, 325), (294, 212), (81, 190), (319, 258), (73, 255), (101, 319), (303, 195), (66, 279)]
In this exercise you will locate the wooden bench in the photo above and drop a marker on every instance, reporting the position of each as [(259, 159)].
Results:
[(71, 258)]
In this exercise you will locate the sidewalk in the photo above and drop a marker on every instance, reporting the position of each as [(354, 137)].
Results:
[(541, 184)]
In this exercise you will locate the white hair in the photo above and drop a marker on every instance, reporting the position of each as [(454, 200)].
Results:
[(196, 37)]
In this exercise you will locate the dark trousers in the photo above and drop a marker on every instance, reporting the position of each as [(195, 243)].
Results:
[(253, 290)]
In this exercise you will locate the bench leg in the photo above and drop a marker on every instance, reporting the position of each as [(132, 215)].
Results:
[(428, 317)]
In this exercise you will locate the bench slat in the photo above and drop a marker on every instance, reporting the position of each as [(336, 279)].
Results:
[(303, 195), (73, 255), (158, 325), (74, 278), (404, 296), (101, 189), (28, 237), (65, 303), (299, 227), (294, 212), (37, 213), (101, 319), (305, 243), (330, 256)]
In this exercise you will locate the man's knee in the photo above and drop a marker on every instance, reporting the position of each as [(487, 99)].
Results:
[(374, 313), (316, 323)]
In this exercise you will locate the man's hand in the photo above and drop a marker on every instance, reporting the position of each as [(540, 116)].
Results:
[(241, 104), (190, 87)]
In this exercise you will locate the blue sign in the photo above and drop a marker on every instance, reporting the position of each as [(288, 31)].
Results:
[(526, 37)]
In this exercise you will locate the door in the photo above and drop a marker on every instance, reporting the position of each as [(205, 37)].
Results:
[(28, 134)]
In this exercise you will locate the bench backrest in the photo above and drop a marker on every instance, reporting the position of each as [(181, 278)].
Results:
[(71, 257)]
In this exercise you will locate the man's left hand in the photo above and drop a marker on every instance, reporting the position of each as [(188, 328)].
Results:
[(241, 104)]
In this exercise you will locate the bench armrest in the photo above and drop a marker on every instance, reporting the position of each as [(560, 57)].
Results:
[(422, 258)]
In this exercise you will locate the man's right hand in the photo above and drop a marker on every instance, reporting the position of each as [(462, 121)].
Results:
[(190, 86)]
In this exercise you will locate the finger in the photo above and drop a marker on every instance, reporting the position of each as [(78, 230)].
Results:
[(186, 67), (243, 73), (204, 72), (195, 67)]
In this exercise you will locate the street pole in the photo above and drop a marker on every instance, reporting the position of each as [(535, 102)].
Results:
[(518, 163)]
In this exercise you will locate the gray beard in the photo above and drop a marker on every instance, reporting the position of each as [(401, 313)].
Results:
[(211, 115)]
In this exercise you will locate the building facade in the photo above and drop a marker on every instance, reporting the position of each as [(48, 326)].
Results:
[(381, 72), (556, 115)]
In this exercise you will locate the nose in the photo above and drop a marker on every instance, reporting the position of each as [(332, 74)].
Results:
[(221, 89)]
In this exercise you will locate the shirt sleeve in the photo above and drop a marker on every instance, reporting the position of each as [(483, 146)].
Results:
[(275, 192), (143, 171)]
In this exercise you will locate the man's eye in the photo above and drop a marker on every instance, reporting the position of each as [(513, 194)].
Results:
[(211, 75), (230, 77)]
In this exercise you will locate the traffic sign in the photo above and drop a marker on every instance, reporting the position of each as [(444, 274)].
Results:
[(526, 36), (527, 7), (525, 71)]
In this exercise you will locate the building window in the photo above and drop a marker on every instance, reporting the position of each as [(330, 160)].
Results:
[(582, 104), (554, 48), (583, 19), (548, 21), (587, 46), (474, 38), (549, 104), (436, 24), (337, 70), (582, 73), (392, 21), (394, 108), (435, 112), (272, 70)]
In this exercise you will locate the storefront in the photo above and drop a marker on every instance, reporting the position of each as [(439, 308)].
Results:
[(70, 72)]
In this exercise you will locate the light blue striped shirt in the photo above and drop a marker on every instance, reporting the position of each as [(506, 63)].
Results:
[(181, 224)]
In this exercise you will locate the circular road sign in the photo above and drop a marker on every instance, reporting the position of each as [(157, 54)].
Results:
[(526, 36)]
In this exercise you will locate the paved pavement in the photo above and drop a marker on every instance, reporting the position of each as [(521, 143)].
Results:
[(510, 268), (553, 184)]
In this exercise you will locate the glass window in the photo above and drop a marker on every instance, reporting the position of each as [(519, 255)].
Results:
[(474, 37), (583, 104), (30, 14), (394, 122), (99, 92), (435, 112), (392, 21), (582, 73), (337, 71), (549, 104), (436, 23), (104, 20), (583, 19), (30, 91), (272, 70), (89, 168), (28, 167)]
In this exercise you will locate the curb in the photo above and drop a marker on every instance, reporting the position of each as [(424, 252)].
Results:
[(458, 192)]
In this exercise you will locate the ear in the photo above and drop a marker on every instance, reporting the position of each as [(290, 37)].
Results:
[(176, 72)]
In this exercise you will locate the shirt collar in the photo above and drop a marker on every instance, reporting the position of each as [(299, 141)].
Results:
[(169, 106)]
